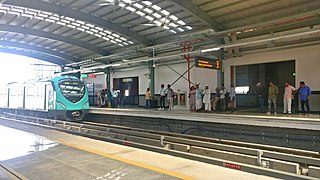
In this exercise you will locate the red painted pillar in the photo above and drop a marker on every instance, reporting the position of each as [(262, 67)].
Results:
[(187, 48)]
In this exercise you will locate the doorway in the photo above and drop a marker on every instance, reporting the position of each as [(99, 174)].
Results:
[(249, 75), (129, 90)]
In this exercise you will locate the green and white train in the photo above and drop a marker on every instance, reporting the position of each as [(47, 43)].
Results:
[(64, 97)]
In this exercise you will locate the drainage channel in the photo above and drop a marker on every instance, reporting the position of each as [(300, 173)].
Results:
[(271, 161)]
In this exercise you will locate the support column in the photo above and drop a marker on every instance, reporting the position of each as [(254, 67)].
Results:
[(151, 77), (220, 56), (108, 77), (220, 74), (62, 68), (186, 48)]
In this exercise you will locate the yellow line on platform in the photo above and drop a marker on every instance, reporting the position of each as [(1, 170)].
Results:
[(145, 166)]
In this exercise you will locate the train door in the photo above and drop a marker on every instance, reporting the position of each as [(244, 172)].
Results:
[(14, 97), (29, 97), (4, 97)]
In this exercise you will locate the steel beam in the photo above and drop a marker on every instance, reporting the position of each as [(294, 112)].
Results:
[(77, 14), (33, 55), (56, 54), (43, 34), (201, 14)]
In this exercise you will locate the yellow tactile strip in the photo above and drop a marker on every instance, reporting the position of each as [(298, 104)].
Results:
[(145, 166)]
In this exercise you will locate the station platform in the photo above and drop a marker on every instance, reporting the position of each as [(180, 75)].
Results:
[(39, 153), (293, 131), (311, 122)]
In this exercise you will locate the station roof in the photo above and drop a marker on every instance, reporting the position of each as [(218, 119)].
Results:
[(66, 31)]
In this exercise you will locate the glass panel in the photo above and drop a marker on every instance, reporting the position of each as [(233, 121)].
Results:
[(182, 99), (73, 90)]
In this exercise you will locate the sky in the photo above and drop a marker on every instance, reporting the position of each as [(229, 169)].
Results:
[(16, 68)]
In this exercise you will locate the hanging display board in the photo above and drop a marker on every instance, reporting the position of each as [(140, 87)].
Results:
[(209, 63)]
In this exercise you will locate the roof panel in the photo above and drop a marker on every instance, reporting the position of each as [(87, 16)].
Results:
[(167, 16)]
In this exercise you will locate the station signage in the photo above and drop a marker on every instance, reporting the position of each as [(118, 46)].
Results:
[(84, 75), (126, 80), (209, 63), (231, 165), (92, 76)]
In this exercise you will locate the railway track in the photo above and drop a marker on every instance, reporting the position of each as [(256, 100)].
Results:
[(285, 163)]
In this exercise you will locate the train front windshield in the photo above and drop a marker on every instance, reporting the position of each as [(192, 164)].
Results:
[(73, 90)]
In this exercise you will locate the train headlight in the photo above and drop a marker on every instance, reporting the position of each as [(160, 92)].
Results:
[(62, 105), (84, 105)]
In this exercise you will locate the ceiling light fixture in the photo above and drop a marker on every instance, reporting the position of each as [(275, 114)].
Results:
[(156, 7), (138, 5), (148, 3), (147, 10), (211, 49)]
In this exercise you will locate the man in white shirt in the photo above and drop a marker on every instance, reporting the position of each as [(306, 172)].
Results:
[(162, 97), (170, 96), (287, 98), (207, 98), (115, 95)]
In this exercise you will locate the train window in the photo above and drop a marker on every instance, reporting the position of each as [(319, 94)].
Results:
[(13, 92), (73, 90), (20, 92), (30, 91)]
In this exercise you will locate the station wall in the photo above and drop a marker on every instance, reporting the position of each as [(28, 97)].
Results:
[(140, 72), (307, 63), (164, 75), (99, 82)]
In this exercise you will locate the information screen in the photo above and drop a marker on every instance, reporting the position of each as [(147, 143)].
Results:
[(203, 62)]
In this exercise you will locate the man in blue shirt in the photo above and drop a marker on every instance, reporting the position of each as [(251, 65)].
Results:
[(305, 93)]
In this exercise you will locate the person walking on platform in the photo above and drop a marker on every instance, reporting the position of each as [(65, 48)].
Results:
[(305, 94), (199, 93), (261, 93), (207, 98), (162, 97), (272, 98), (287, 98), (147, 97), (192, 98), (232, 98), (170, 96), (215, 100), (223, 98)]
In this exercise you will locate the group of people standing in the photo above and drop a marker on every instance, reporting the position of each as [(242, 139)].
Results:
[(290, 93), (109, 99), (165, 93), (199, 97)]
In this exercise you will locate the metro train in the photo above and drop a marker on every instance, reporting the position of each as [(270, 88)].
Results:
[(63, 97)]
